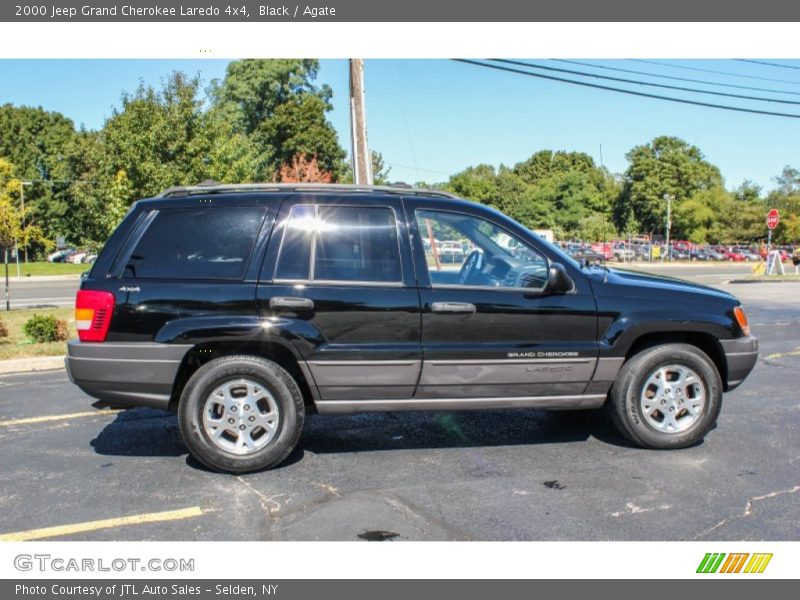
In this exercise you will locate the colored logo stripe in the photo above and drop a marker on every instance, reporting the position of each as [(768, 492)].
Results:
[(758, 563), (733, 564), (710, 562)]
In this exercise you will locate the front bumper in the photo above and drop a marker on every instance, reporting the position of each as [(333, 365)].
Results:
[(740, 355), (125, 374)]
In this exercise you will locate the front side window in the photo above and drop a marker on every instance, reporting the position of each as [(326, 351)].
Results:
[(197, 243), (340, 243), (469, 251)]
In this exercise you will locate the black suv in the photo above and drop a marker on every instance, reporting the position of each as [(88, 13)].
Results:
[(246, 308)]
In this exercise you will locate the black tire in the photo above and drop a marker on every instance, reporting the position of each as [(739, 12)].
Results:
[(624, 408), (277, 381)]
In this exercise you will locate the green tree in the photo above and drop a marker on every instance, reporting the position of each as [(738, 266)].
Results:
[(253, 89), (667, 165), (10, 214), (36, 142), (276, 103), (569, 189), (748, 191), (298, 126), (380, 172), (694, 217), (521, 201), (735, 220), (15, 229), (788, 182), (791, 229), (596, 226), (477, 183), (159, 137)]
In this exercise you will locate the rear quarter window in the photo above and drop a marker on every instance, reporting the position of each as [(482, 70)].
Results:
[(196, 243)]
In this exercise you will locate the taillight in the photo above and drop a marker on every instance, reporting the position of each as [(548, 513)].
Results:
[(93, 311), (741, 319)]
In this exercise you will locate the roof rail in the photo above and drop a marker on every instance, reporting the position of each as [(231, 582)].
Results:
[(211, 187)]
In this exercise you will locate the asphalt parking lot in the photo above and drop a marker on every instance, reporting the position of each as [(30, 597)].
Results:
[(70, 472)]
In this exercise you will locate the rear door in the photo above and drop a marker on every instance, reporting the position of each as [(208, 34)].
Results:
[(338, 273), (489, 328)]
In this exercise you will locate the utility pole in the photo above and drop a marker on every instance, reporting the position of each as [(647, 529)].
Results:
[(362, 160), (668, 198), (5, 256), (22, 185)]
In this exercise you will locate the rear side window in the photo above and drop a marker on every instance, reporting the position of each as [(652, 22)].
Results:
[(197, 243), (340, 243)]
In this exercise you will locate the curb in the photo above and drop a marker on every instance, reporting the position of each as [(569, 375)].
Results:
[(776, 280), (31, 364), (695, 264)]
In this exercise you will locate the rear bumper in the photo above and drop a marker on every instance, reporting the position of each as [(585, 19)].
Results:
[(741, 355), (125, 374)]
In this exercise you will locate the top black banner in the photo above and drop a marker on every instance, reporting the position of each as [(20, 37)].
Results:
[(400, 10)]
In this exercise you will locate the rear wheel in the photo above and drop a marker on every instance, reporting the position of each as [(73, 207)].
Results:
[(666, 396), (241, 413)]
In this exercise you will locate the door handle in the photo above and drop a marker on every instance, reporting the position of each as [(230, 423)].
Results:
[(453, 307), (291, 303)]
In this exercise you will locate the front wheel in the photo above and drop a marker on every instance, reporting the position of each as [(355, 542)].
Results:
[(241, 413), (666, 396)]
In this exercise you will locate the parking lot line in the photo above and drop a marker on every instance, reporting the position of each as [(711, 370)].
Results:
[(60, 530), (32, 420)]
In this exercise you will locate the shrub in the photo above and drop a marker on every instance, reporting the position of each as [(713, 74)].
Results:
[(46, 328), (3, 329)]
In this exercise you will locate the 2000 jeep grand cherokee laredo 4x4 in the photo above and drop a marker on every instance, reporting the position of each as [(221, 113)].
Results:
[(245, 308)]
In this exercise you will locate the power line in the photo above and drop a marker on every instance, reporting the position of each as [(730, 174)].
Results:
[(624, 91), (728, 73), (673, 78), (647, 83), (392, 164), (767, 63)]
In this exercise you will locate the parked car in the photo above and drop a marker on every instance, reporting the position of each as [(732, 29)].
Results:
[(716, 254), (285, 300), (747, 253), (603, 249), (675, 254), (732, 254), (700, 254), (582, 253), (683, 246), (60, 256), (450, 252), (623, 253)]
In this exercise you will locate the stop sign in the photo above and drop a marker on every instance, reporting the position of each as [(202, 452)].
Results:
[(772, 218)]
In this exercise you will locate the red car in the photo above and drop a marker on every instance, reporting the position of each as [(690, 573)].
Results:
[(603, 249), (733, 255)]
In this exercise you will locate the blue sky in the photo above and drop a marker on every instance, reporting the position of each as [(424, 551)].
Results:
[(432, 118)]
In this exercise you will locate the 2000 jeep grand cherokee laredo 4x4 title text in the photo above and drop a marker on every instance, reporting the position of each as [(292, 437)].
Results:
[(245, 308)]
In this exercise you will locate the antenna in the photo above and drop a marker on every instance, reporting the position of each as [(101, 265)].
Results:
[(605, 234)]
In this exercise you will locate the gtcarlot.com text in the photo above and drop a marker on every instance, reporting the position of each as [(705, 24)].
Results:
[(48, 563)]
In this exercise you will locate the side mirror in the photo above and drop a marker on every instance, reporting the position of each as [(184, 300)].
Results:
[(558, 281)]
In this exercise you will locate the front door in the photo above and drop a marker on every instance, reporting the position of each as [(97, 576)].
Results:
[(489, 327)]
